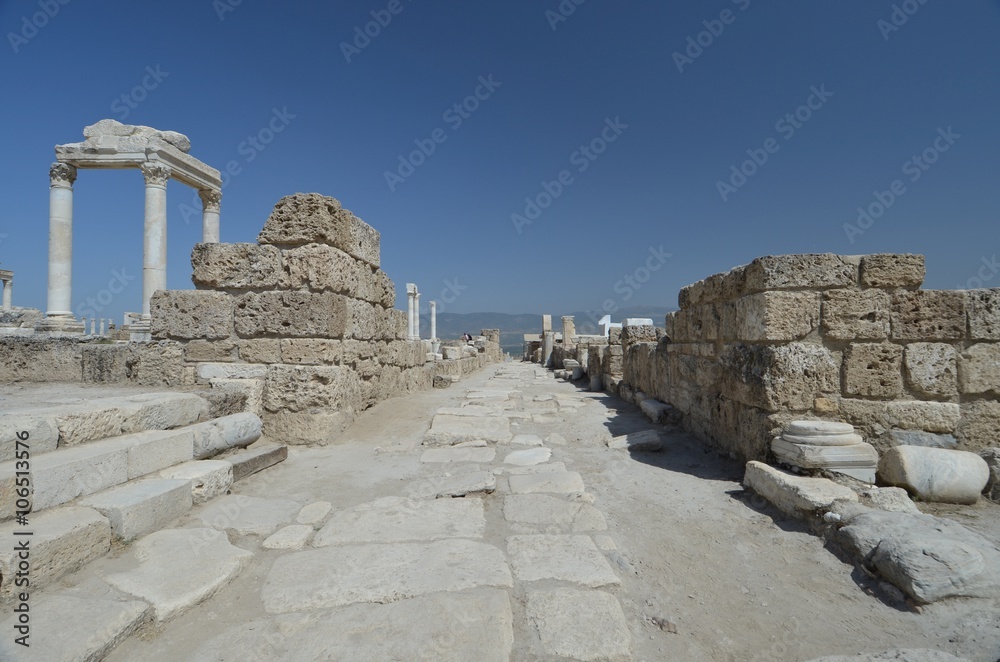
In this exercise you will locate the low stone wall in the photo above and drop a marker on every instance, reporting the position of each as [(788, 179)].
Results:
[(832, 337)]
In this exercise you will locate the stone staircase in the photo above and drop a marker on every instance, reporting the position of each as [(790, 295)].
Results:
[(81, 476)]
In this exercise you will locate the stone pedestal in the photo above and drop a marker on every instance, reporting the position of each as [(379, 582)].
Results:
[(826, 445), (568, 330)]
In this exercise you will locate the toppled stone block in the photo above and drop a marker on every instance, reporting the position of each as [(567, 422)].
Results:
[(256, 457), (979, 369), (856, 314), (932, 369), (815, 271), (776, 316), (873, 370), (310, 218), (191, 314), (935, 474), (291, 314), (797, 496), (926, 315), (235, 266), (892, 270), (983, 308)]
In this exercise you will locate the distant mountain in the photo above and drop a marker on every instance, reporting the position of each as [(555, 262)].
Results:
[(513, 327)]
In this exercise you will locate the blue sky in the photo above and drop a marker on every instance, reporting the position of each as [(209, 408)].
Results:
[(653, 201)]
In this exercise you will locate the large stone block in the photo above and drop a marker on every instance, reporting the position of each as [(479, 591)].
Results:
[(797, 496), (364, 320), (260, 350), (155, 364), (105, 364), (303, 388), (143, 506), (815, 271), (776, 377), (308, 218), (776, 316), (979, 369), (191, 314), (321, 268), (235, 266), (877, 421), (892, 270), (984, 314), (292, 315), (873, 370), (398, 322), (385, 290), (856, 314), (932, 370), (935, 474), (926, 315), (40, 359), (311, 351), (197, 351), (978, 426)]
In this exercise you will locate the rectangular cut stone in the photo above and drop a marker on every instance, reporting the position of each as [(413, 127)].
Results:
[(143, 506), (197, 351), (797, 496), (394, 519), (260, 350), (892, 270), (291, 315), (983, 308), (322, 268), (63, 540), (776, 316), (35, 428), (856, 314), (72, 472), (311, 351), (930, 416), (543, 513), (563, 482), (932, 369), (192, 314), (925, 315), (157, 449), (465, 454), (235, 266), (207, 371), (449, 430), (580, 625), (255, 458), (363, 320), (336, 576), (813, 271), (777, 377), (302, 388), (569, 558), (873, 370), (978, 427), (308, 218), (979, 369)]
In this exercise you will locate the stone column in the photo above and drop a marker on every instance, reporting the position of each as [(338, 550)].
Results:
[(434, 324), (411, 293), (154, 245), (59, 307), (8, 294), (416, 316), (548, 342), (568, 330), (546, 323), (211, 203)]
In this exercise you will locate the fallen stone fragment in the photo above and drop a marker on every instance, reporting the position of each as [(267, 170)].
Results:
[(314, 513), (570, 558), (580, 625), (797, 496), (935, 474), (647, 440)]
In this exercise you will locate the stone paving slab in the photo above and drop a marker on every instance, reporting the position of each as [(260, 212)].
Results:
[(477, 625), (547, 468), (541, 513), (566, 482), (247, 515), (293, 536), (646, 440), (526, 440), (395, 519), (565, 558), (314, 513), (180, 568), (447, 430), (466, 454), (528, 457), (580, 625), (454, 485), (337, 576), (470, 411)]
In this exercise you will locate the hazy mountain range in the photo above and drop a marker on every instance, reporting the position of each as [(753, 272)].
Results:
[(514, 326)]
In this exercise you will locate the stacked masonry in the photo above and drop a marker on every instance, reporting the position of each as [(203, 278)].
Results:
[(830, 337)]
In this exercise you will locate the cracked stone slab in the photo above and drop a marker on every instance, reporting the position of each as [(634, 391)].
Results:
[(547, 468), (180, 568), (580, 625), (447, 430), (528, 457), (337, 576), (463, 454), (572, 558), (453, 485), (476, 625), (565, 482), (293, 536), (247, 515), (541, 513), (395, 519)]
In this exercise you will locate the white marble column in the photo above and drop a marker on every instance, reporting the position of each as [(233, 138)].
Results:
[(416, 316), (211, 203), (59, 306), (411, 306), (154, 245), (8, 294), (434, 323)]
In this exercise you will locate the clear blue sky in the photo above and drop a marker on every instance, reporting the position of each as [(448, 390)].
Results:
[(682, 125)]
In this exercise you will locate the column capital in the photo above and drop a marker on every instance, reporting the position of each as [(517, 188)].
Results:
[(155, 173), (62, 175), (211, 200)]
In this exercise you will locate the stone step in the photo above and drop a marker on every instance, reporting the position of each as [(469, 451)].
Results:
[(56, 425), (143, 506), (257, 457)]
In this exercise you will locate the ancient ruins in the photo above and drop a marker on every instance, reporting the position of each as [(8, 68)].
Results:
[(277, 464)]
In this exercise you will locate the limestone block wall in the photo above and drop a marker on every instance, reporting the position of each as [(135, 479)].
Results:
[(833, 337)]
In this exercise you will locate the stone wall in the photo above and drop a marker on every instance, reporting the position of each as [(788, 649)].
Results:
[(831, 337)]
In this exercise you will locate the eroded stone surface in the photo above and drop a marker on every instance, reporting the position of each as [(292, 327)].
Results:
[(566, 482), (293, 536), (448, 430), (465, 454), (247, 515), (453, 485), (541, 513), (570, 558), (528, 457), (394, 519), (580, 625)]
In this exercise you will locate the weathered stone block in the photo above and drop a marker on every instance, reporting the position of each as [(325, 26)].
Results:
[(776, 315), (932, 369), (307, 427), (191, 314), (984, 314), (856, 314), (978, 426), (385, 290), (221, 434), (928, 315), (302, 388), (873, 370), (892, 270), (918, 415), (209, 350), (155, 364), (815, 271), (209, 478), (307, 218), (935, 474), (979, 369), (311, 351), (40, 360), (104, 364), (363, 324), (776, 377), (399, 323), (260, 350), (143, 506), (321, 268), (292, 315), (235, 266)]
